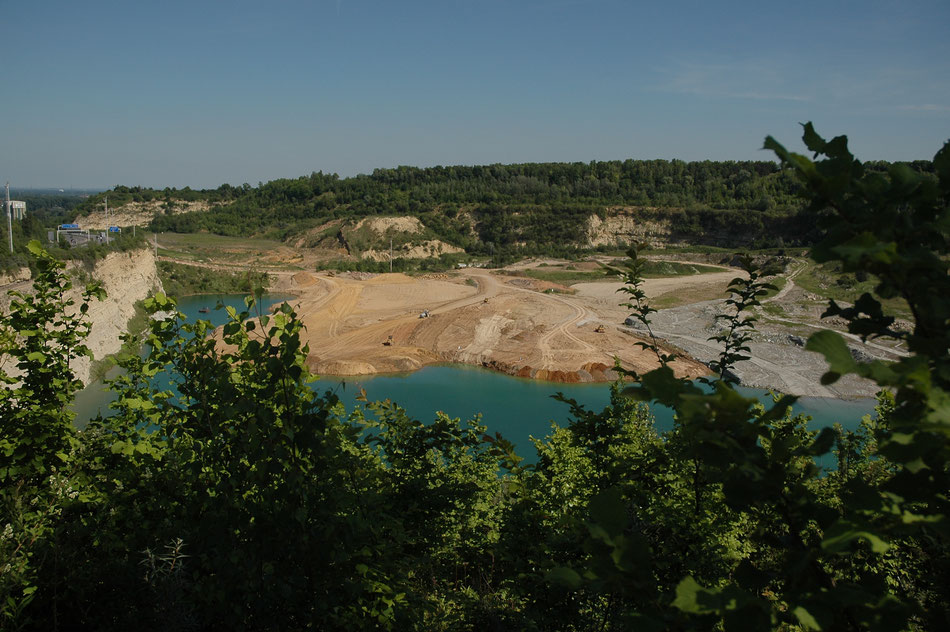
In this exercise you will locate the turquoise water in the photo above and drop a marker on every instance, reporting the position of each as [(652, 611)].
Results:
[(95, 399), (521, 408), (517, 408)]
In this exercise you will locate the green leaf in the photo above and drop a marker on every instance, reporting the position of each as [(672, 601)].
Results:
[(867, 247), (812, 140), (608, 511), (689, 596), (823, 442), (806, 619), (35, 248), (841, 535), (566, 577), (938, 401), (694, 599), (831, 345), (777, 147)]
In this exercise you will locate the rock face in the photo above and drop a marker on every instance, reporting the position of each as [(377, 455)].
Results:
[(425, 250), (624, 226), (657, 227), (380, 225), (140, 213), (128, 277), (15, 276)]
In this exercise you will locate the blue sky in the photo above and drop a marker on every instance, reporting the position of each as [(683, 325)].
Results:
[(199, 93)]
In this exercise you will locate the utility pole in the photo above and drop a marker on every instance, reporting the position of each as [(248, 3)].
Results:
[(107, 220), (390, 254), (9, 218)]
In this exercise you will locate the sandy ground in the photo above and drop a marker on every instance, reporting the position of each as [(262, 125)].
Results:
[(475, 317), (513, 325)]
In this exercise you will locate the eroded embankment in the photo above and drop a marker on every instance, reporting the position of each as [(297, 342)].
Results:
[(128, 277)]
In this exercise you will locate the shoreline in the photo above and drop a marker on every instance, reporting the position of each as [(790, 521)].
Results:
[(493, 369)]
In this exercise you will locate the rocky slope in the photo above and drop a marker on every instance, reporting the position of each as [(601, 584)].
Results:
[(128, 277), (625, 226), (11, 277), (139, 213)]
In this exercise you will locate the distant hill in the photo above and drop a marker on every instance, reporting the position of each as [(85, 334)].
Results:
[(512, 210)]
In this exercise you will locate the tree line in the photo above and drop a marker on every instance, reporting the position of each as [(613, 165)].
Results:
[(534, 208), (537, 205)]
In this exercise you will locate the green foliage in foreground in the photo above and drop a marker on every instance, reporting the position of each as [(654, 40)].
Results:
[(246, 500)]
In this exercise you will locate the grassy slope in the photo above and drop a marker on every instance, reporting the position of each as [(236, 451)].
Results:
[(652, 270), (828, 281)]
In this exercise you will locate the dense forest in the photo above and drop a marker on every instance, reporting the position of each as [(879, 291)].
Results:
[(521, 208), (249, 500)]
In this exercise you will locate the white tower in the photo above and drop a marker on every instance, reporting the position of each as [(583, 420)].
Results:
[(9, 218)]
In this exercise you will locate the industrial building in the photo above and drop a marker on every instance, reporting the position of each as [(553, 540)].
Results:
[(76, 236), (18, 209)]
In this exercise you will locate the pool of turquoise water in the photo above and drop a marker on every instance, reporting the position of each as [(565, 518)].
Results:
[(517, 408)]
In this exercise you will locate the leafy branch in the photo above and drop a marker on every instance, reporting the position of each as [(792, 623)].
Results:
[(632, 275), (744, 295)]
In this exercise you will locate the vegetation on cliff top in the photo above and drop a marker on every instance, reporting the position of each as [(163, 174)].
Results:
[(511, 210)]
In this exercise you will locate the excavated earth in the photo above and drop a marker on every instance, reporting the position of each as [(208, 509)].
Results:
[(540, 330), (515, 325)]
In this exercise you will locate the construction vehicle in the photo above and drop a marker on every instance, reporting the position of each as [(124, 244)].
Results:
[(424, 314), (600, 329), (388, 342)]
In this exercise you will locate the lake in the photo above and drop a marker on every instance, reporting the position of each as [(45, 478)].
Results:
[(516, 407)]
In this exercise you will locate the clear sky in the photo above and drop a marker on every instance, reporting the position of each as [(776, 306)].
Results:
[(200, 92)]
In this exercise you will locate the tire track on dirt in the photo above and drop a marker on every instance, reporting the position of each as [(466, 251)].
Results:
[(563, 328)]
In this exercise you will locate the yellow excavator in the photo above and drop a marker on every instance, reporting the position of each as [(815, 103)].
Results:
[(389, 341)]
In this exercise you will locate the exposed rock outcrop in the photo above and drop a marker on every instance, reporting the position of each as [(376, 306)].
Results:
[(424, 250), (624, 226), (14, 276), (382, 225), (128, 277), (140, 213)]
